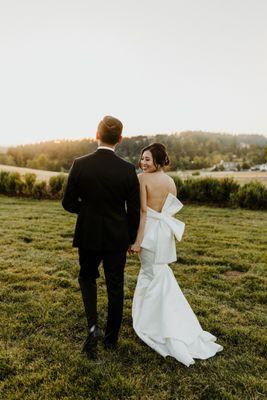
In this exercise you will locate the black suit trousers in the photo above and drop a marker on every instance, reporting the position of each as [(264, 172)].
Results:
[(113, 264)]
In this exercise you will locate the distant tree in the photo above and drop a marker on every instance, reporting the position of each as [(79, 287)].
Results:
[(7, 159), (245, 165), (187, 150)]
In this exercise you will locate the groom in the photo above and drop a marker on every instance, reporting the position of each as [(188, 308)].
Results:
[(103, 190)]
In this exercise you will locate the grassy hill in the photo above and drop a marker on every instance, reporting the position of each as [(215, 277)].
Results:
[(220, 268), (187, 150), (242, 177), (41, 174)]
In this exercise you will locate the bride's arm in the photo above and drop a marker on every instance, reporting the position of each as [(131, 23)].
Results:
[(173, 189), (143, 211)]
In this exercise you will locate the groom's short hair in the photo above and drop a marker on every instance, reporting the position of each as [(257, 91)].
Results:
[(109, 130)]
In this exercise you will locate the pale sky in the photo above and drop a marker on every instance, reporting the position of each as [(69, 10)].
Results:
[(161, 66)]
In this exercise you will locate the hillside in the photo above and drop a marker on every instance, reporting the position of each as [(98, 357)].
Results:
[(41, 174), (187, 150)]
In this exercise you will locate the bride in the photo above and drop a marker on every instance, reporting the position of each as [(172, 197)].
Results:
[(162, 317)]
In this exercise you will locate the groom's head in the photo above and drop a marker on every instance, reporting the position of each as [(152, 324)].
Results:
[(109, 130)]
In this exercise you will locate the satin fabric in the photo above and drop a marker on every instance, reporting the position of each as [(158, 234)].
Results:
[(162, 317)]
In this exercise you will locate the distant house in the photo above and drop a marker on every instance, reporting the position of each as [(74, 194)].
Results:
[(229, 165), (259, 167), (244, 145)]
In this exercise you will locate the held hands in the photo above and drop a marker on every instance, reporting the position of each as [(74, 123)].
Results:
[(134, 248)]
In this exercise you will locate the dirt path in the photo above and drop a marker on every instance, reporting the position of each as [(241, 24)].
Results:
[(240, 176)]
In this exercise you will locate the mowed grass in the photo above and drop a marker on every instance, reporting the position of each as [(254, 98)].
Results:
[(40, 173), (221, 269)]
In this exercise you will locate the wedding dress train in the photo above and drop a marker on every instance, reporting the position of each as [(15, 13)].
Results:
[(162, 317)]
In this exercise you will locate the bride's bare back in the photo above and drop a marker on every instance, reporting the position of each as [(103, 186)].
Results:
[(155, 188), (155, 185)]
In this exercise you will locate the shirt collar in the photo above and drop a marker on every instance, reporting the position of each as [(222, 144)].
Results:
[(105, 148)]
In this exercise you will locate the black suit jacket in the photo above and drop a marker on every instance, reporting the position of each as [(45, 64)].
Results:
[(103, 189)]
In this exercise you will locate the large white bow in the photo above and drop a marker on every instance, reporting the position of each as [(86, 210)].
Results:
[(168, 224), (161, 229)]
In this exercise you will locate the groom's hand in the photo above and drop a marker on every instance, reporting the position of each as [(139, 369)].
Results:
[(129, 251)]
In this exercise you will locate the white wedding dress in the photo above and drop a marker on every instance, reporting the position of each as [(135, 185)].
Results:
[(162, 317)]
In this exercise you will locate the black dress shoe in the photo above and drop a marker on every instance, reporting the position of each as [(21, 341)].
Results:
[(90, 345), (110, 346), (91, 354)]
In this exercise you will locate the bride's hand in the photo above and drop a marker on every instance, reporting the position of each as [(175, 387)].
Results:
[(135, 248)]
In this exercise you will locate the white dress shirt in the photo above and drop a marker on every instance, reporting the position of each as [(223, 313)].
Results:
[(106, 148)]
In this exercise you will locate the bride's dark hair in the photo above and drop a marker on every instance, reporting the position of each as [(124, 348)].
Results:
[(159, 154)]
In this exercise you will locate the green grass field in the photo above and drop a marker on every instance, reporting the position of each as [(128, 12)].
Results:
[(220, 268)]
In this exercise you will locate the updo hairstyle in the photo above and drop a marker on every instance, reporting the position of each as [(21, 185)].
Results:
[(159, 155)]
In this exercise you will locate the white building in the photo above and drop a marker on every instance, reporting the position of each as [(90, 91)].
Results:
[(229, 165), (259, 167)]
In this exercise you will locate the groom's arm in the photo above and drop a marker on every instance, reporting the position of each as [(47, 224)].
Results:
[(70, 201), (143, 212), (133, 205)]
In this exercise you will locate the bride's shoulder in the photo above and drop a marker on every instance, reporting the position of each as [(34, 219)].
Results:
[(169, 178), (173, 189), (144, 180), (142, 176)]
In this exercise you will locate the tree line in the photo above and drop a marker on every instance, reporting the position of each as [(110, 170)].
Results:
[(187, 150)]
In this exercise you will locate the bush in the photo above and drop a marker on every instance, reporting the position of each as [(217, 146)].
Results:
[(56, 185), (245, 165), (252, 195), (222, 192), (228, 187), (209, 190), (4, 178), (39, 190), (15, 185), (201, 190), (30, 180), (178, 183)]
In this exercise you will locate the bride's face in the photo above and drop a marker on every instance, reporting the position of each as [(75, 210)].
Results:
[(147, 163)]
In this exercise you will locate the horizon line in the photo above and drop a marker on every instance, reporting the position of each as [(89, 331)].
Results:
[(131, 136)]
